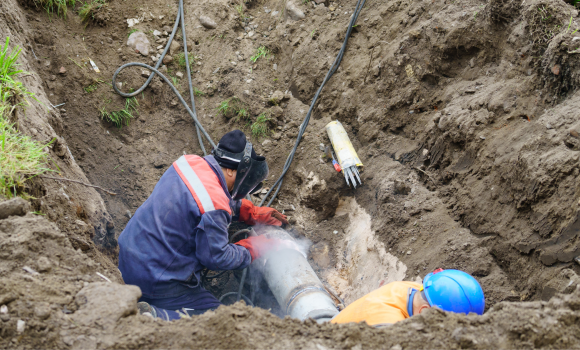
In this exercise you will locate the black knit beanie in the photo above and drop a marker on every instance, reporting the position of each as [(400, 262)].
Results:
[(234, 142)]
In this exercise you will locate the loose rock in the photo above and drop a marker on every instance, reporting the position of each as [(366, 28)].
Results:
[(167, 59), (277, 97), (174, 47), (139, 42), (16, 206), (105, 303), (44, 265), (20, 326), (42, 311), (207, 22), (294, 12)]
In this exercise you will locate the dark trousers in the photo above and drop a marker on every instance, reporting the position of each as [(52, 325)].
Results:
[(196, 302)]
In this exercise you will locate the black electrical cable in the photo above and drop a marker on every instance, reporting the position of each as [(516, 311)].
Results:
[(237, 233), (199, 127), (192, 112), (333, 68), (246, 231), (205, 276)]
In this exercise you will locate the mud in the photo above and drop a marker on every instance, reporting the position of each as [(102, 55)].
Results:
[(464, 114)]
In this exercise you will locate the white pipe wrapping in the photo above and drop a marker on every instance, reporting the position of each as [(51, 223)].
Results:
[(296, 287)]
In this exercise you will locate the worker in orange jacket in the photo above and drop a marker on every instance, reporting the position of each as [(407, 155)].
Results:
[(448, 290)]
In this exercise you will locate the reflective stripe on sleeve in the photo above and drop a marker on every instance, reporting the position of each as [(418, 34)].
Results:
[(195, 183)]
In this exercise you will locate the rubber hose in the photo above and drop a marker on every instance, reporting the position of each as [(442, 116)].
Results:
[(235, 293), (192, 112), (278, 184), (242, 284)]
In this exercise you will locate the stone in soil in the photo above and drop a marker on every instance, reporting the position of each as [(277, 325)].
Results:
[(294, 12), (207, 22), (175, 47), (139, 42), (16, 206), (167, 59)]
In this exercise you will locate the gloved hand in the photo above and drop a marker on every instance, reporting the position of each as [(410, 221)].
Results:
[(259, 245), (251, 215)]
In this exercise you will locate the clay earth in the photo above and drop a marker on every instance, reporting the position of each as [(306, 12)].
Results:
[(464, 113)]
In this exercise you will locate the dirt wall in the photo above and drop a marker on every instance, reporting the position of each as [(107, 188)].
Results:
[(462, 112), (74, 207)]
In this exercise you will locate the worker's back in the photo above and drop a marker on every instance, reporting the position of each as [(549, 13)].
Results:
[(170, 239), (387, 304)]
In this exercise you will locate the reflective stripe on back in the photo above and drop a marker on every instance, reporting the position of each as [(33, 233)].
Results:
[(195, 184), (203, 183)]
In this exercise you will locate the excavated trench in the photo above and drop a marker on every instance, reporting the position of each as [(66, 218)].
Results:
[(463, 113)]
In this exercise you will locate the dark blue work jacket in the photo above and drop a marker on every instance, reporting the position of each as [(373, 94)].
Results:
[(181, 229)]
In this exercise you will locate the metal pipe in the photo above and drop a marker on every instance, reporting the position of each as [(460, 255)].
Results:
[(295, 285)]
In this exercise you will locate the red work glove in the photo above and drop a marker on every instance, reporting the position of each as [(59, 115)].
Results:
[(251, 215), (259, 245)]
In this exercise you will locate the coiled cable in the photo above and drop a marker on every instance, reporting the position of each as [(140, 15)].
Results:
[(198, 127)]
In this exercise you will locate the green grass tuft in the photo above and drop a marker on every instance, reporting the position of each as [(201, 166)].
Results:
[(93, 87), (242, 114), (234, 108), (180, 59), (240, 9), (21, 157), (88, 9), (260, 127), (123, 116), (55, 6), (175, 81), (198, 92), (224, 107), (262, 52)]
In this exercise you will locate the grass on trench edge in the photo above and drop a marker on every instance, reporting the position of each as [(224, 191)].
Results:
[(88, 9), (58, 6), (21, 157)]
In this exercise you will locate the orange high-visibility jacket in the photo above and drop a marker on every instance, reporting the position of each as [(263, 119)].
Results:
[(387, 304)]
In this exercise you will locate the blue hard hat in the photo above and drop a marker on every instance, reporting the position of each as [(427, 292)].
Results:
[(455, 291)]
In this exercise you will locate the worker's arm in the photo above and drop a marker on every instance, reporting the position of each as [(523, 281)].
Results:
[(245, 211), (211, 244)]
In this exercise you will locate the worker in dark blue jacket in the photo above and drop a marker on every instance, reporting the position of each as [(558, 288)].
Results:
[(182, 227)]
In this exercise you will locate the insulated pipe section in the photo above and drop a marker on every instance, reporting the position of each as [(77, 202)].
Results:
[(296, 287)]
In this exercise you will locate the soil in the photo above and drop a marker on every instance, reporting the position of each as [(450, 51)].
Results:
[(463, 113)]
